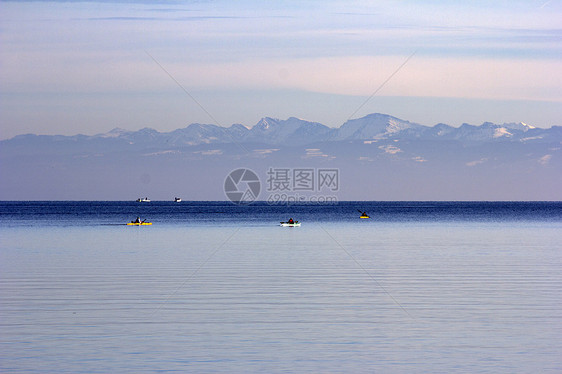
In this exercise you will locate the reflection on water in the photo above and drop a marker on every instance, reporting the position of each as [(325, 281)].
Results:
[(447, 296)]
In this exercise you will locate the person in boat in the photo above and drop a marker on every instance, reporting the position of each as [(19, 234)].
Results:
[(290, 221), (137, 220)]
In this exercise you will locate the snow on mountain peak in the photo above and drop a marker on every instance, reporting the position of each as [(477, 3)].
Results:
[(239, 126), (374, 126), (501, 131), (296, 131), (521, 126), (114, 133), (300, 119), (266, 123)]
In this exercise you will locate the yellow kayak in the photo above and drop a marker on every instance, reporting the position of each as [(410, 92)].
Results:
[(365, 217), (139, 223)]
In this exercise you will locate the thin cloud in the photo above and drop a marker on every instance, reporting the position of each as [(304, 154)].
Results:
[(190, 18), (476, 78)]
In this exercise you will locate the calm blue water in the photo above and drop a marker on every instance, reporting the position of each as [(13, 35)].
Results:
[(216, 288), (226, 213)]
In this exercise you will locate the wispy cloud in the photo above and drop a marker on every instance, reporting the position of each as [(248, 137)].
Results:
[(476, 162), (317, 153), (390, 149), (192, 18), (210, 152), (544, 160), (162, 153)]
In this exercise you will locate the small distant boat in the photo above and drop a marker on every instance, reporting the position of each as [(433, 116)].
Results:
[(177, 199), (143, 200), (290, 224)]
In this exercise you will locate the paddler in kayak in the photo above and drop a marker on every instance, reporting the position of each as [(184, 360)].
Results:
[(363, 214), (137, 220), (290, 221)]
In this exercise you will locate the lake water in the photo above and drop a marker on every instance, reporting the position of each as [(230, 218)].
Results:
[(217, 288)]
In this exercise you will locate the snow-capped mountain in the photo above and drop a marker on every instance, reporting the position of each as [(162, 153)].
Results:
[(295, 131), (374, 126), (378, 157)]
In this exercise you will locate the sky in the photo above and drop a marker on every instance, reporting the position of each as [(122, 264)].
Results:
[(69, 67)]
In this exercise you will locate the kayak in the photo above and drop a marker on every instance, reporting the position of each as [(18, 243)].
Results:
[(287, 224), (139, 223), (363, 214)]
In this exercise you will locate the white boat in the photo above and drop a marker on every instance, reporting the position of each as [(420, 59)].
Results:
[(177, 199), (143, 200), (287, 224)]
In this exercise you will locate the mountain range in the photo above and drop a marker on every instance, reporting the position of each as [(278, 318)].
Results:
[(379, 157), (294, 131)]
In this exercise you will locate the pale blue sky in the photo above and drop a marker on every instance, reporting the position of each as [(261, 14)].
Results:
[(72, 67)]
